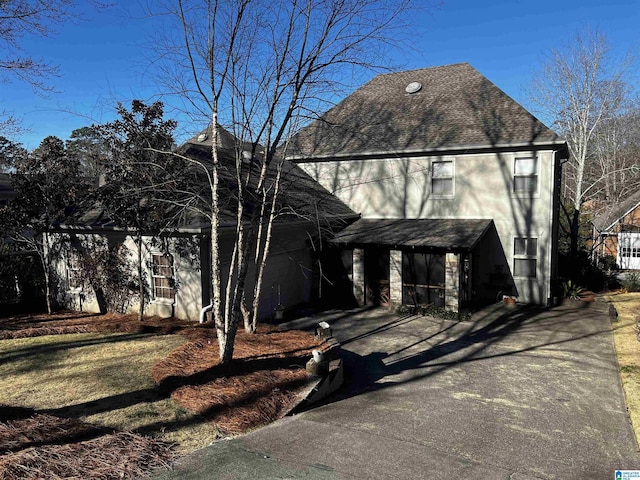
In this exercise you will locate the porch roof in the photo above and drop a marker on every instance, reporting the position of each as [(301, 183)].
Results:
[(436, 233)]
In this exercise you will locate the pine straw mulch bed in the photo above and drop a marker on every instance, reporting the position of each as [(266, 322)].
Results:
[(35, 325), (37, 446), (260, 386)]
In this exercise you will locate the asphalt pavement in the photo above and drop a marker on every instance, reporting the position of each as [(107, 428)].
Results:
[(514, 393)]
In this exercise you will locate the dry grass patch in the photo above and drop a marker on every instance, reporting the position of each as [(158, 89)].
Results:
[(102, 379), (23, 326), (628, 351)]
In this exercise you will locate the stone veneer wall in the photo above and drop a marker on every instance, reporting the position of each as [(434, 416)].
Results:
[(395, 277), (358, 275), (452, 281)]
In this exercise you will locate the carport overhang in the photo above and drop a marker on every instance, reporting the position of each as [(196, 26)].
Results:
[(453, 238), (436, 234)]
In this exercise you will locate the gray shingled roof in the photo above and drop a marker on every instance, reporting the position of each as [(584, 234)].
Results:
[(300, 196), (607, 219), (456, 107), (438, 233)]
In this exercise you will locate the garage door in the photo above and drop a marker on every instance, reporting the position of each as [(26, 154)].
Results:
[(629, 250)]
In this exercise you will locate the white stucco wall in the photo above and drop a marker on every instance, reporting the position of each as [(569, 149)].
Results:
[(287, 278), (187, 302), (483, 189)]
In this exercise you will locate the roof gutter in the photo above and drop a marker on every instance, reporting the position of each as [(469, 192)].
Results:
[(423, 152)]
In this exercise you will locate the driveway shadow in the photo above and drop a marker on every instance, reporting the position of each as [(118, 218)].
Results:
[(446, 344)]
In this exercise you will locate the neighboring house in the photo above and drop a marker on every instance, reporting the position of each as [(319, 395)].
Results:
[(177, 262), (456, 182), (617, 233)]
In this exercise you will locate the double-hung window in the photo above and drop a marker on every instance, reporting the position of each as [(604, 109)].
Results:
[(525, 257), (525, 175), (163, 277), (74, 272), (442, 177)]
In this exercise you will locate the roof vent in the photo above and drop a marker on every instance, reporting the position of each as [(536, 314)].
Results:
[(202, 137), (246, 157), (413, 87)]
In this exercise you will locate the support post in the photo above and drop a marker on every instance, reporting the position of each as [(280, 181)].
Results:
[(452, 281)]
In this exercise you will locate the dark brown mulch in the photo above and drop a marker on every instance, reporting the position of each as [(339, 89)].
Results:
[(37, 446)]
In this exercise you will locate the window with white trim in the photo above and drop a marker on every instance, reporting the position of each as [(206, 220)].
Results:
[(74, 273), (162, 274), (630, 252), (525, 175), (442, 177), (525, 257)]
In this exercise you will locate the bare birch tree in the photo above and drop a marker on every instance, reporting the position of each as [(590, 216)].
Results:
[(581, 87), (260, 68)]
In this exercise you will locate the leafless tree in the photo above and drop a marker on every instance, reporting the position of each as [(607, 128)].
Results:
[(582, 88), (20, 19), (260, 68), (614, 173)]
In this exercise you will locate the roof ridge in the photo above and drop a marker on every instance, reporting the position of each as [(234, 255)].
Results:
[(433, 67)]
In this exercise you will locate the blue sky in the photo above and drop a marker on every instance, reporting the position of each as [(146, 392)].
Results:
[(102, 59)]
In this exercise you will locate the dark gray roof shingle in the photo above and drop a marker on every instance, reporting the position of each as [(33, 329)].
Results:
[(607, 219), (455, 107), (437, 233), (300, 196)]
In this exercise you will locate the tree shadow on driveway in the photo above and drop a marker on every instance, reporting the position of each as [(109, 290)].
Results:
[(375, 360)]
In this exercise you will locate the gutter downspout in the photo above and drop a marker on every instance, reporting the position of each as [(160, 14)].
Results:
[(204, 311)]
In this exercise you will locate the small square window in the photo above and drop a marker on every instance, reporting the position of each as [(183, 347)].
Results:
[(524, 267), (526, 246)]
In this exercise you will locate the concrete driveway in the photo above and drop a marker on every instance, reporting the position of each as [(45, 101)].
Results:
[(511, 394)]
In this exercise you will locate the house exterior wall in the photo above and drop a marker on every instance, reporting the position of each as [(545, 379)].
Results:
[(286, 279), (288, 274), (395, 277), (186, 265), (483, 189), (452, 281)]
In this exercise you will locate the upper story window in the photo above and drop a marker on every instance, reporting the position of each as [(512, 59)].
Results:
[(442, 177), (163, 277), (525, 175), (525, 257)]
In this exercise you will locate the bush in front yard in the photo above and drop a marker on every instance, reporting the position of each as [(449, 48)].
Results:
[(631, 283), (432, 311)]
